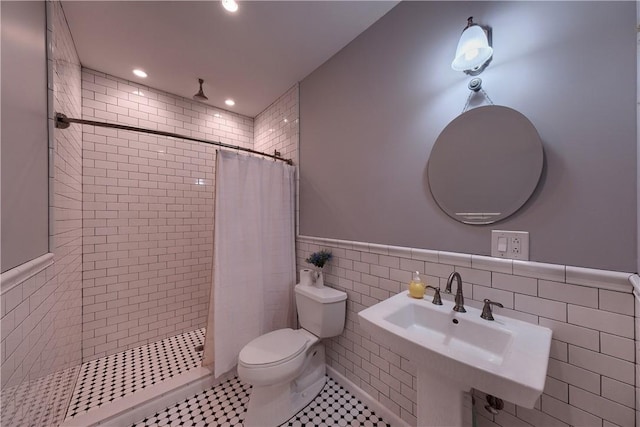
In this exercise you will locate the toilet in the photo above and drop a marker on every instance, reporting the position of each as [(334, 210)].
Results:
[(287, 367)]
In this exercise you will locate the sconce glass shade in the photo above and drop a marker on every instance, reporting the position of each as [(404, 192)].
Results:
[(473, 50)]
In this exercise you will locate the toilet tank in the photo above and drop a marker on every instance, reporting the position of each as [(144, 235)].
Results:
[(321, 311)]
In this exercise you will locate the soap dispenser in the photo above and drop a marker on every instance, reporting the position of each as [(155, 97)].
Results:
[(417, 286)]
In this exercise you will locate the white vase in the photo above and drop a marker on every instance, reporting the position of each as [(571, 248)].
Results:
[(319, 282)]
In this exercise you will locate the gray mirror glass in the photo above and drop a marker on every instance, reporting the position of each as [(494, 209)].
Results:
[(485, 164)]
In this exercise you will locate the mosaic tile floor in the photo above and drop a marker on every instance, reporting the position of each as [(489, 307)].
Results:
[(40, 402), (225, 405), (109, 378)]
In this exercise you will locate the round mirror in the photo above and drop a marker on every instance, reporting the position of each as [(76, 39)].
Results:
[(485, 164)]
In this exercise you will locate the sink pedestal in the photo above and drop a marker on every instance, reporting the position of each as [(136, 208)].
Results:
[(442, 402)]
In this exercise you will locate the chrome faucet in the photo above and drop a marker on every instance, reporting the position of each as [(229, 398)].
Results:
[(459, 307)]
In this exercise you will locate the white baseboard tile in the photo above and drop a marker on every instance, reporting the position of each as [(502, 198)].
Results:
[(146, 402), (366, 398)]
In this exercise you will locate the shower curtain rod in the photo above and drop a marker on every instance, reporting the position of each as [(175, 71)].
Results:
[(63, 122)]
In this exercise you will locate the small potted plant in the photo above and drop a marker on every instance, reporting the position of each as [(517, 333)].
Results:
[(319, 259)]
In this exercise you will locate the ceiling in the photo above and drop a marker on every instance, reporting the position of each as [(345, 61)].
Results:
[(252, 56)]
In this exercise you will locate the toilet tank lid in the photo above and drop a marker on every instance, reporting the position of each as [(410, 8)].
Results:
[(323, 295)]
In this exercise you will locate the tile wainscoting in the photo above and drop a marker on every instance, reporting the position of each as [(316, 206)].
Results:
[(591, 377)]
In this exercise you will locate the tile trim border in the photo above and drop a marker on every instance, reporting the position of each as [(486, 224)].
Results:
[(17, 275), (601, 279), (635, 282)]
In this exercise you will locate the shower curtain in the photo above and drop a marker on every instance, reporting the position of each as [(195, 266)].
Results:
[(254, 255)]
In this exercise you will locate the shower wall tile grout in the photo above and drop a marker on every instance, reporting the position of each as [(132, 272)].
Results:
[(147, 212)]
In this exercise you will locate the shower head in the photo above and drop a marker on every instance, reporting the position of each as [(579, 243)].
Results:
[(200, 96)]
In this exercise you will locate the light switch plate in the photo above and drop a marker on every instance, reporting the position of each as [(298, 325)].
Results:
[(517, 244)]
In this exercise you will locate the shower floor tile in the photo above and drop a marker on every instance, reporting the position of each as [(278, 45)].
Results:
[(40, 402), (112, 377), (225, 405)]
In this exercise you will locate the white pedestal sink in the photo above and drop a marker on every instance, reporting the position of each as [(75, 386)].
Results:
[(455, 352)]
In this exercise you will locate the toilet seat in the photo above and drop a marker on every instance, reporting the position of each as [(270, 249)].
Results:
[(274, 348), (274, 358)]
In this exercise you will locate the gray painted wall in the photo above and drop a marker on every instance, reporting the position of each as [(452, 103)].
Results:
[(370, 115), (24, 133)]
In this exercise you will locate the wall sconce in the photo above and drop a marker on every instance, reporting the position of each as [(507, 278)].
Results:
[(474, 52)]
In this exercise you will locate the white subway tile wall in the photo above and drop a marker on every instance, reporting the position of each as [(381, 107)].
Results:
[(591, 376), (276, 128), (147, 212), (66, 202), (41, 317)]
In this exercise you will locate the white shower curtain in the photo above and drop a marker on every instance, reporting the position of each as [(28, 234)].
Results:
[(254, 255)]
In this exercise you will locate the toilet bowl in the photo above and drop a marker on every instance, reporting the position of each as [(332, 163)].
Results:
[(276, 357), (286, 367)]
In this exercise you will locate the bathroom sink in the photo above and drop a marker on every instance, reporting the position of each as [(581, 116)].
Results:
[(505, 357), (453, 334)]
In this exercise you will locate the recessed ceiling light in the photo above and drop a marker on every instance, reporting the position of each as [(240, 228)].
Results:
[(230, 5), (138, 72), (230, 102)]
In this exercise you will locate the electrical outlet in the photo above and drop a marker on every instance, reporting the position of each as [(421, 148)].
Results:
[(515, 245), (510, 244)]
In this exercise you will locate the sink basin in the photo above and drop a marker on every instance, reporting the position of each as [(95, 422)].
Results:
[(506, 357), (465, 339)]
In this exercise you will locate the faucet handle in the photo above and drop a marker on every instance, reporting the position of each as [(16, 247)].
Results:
[(486, 310), (436, 297)]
